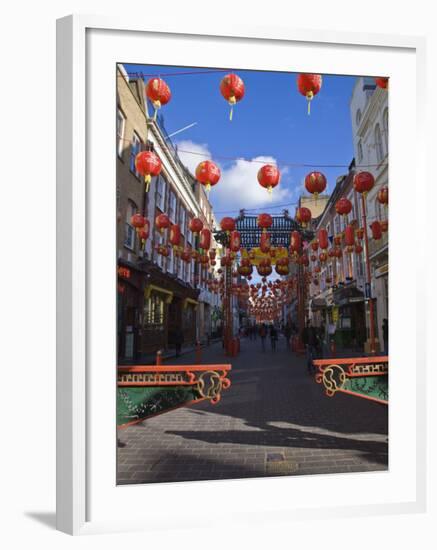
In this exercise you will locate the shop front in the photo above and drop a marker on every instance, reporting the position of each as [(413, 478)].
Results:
[(349, 311)]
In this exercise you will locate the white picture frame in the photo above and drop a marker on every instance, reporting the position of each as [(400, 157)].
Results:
[(86, 501)]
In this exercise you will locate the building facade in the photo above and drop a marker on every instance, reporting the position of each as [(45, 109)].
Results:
[(158, 294)]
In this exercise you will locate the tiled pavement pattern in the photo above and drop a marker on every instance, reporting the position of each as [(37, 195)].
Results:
[(273, 420)]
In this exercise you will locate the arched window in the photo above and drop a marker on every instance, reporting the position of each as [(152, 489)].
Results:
[(385, 127), (378, 144), (129, 234), (358, 117)]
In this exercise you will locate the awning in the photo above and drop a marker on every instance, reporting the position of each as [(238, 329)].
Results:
[(348, 295), (187, 301), (318, 303)]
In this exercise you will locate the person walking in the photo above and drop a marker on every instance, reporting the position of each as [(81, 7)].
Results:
[(273, 337), (309, 339), (178, 340), (263, 335), (287, 334), (385, 335)]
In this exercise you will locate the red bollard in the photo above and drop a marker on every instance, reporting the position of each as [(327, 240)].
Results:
[(158, 358), (332, 348)]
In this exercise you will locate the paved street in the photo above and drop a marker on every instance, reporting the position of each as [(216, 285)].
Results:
[(273, 420)]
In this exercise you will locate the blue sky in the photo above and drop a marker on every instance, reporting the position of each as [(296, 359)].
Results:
[(269, 124)]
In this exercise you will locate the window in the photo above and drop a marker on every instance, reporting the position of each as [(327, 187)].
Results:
[(337, 225), (188, 232), (171, 262), (129, 235), (153, 310), (360, 152), (159, 240), (378, 144), (182, 219), (351, 215), (160, 193), (121, 122), (385, 128), (358, 117), (172, 206), (135, 149)]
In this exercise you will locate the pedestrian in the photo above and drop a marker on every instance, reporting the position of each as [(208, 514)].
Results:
[(263, 334), (287, 334), (385, 335), (273, 337), (309, 339), (178, 340)]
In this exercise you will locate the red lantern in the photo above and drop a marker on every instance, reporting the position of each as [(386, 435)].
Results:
[(315, 245), (337, 240), (376, 230), (384, 226), (309, 85), (313, 257), (343, 206), (235, 241), (162, 222), (381, 82), (382, 196), (338, 252), (138, 221), (303, 216), (208, 174), (175, 235), (359, 233), (303, 260), (205, 239), (323, 257), (295, 242), (315, 183), (195, 225), (323, 239), (358, 249), (269, 176), (349, 235), (186, 255), (158, 92), (212, 254), (363, 182), (232, 89), (148, 164), (264, 221), (144, 232), (265, 242), (204, 260), (227, 224)]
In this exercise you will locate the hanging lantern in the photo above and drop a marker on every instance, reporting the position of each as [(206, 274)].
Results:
[(309, 85), (315, 245), (227, 224), (158, 92), (148, 164), (323, 238), (195, 225), (382, 196), (144, 232), (303, 216), (235, 241), (303, 260), (208, 174), (295, 242), (232, 89), (384, 226), (205, 239), (265, 242), (175, 235), (313, 258), (331, 253), (343, 206), (138, 221), (186, 255), (358, 249), (376, 230), (204, 260), (162, 222), (359, 233), (382, 82), (323, 257), (349, 237), (315, 183), (363, 182), (212, 254), (337, 240), (338, 252), (269, 176), (264, 221)]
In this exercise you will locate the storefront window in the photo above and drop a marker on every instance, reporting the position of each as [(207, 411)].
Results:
[(153, 310)]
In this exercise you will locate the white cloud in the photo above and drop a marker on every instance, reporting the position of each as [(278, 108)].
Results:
[(238, 186)]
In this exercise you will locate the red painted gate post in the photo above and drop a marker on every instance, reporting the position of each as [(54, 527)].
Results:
[(158, 358)]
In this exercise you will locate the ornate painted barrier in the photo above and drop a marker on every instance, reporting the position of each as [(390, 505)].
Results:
[(365, 377), (145, 391)]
